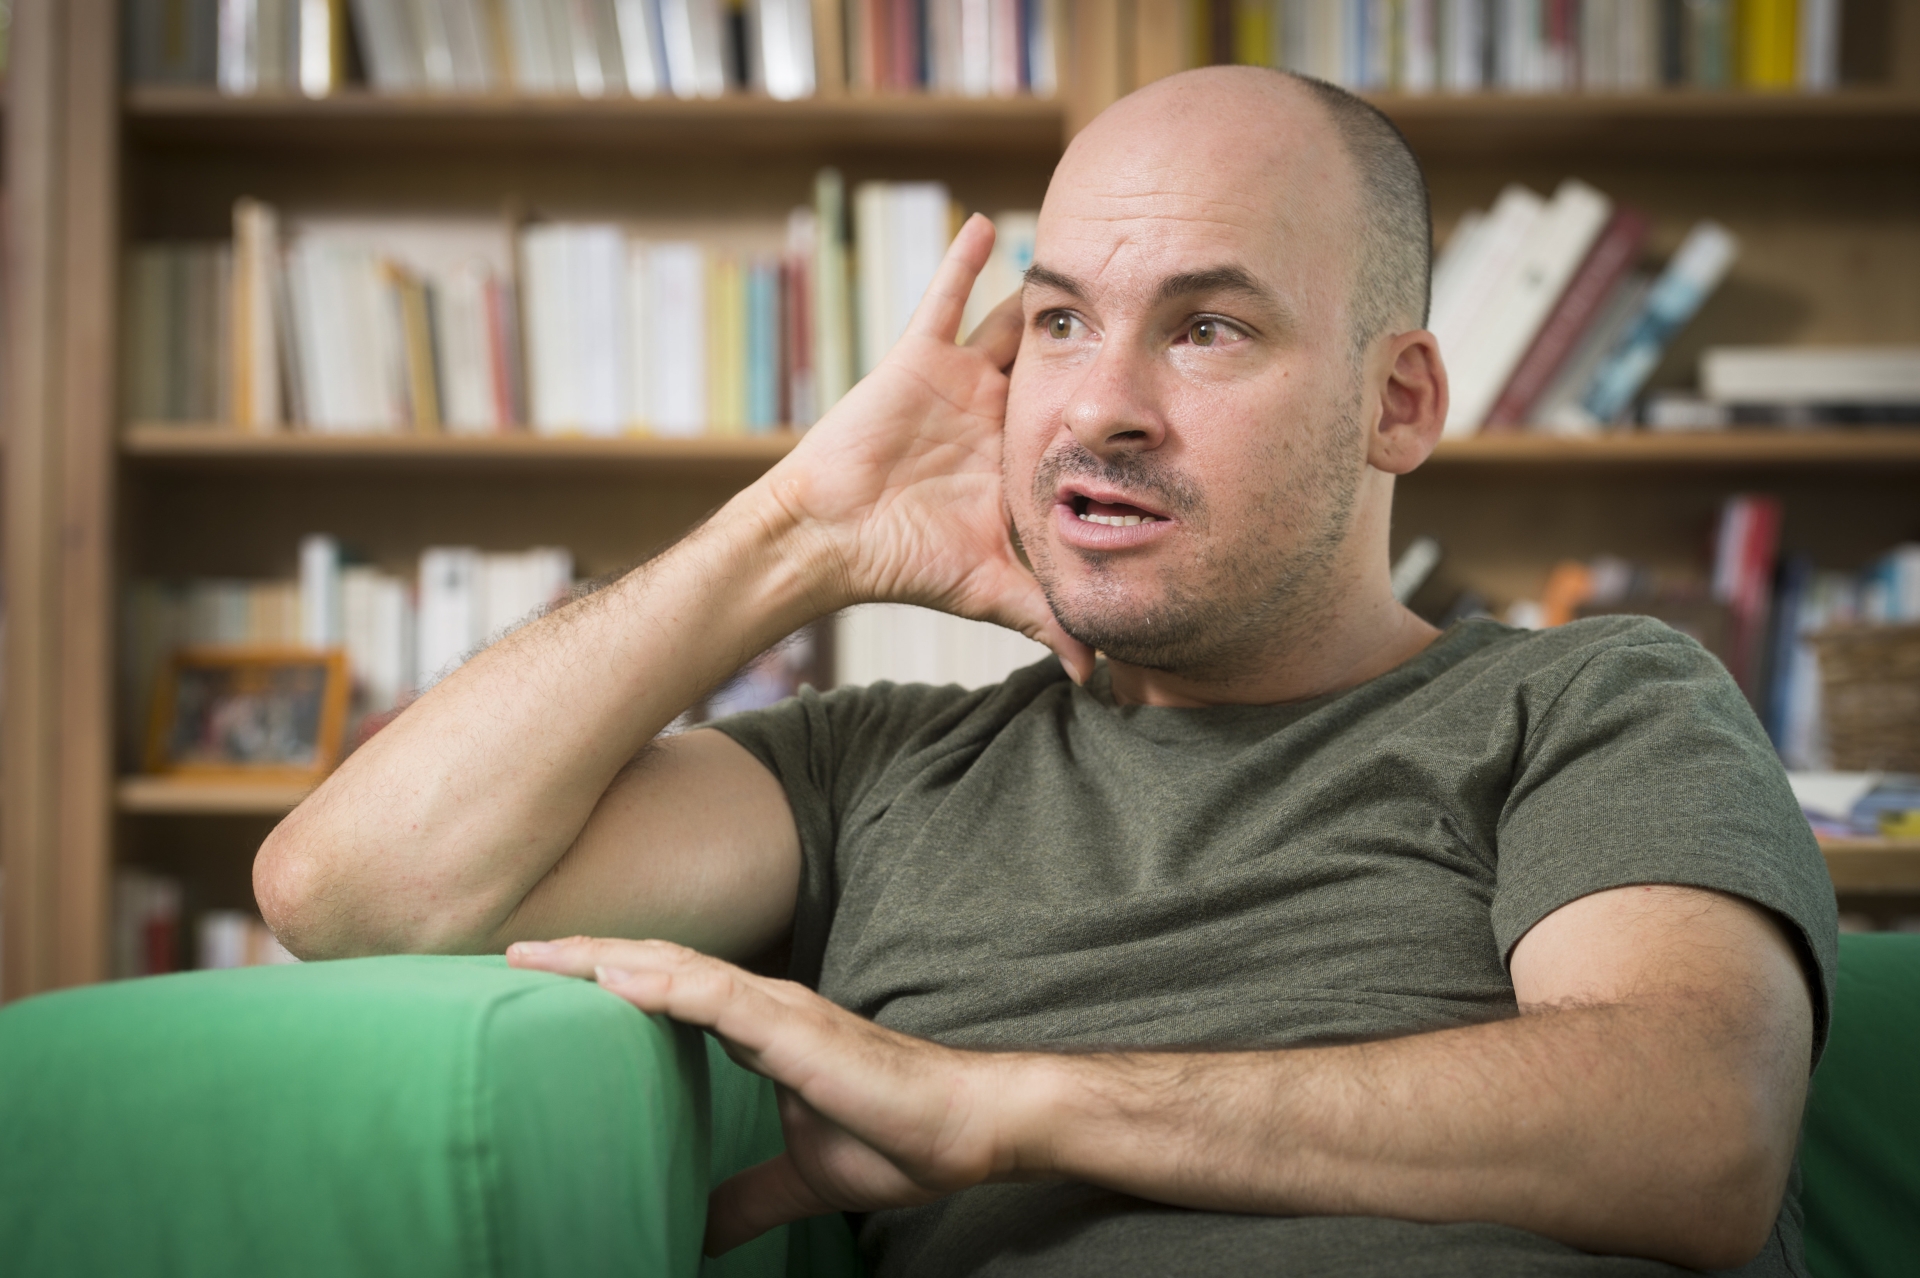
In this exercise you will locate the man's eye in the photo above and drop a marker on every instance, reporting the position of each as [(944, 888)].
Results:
[(1208, 332), (1060, 325)]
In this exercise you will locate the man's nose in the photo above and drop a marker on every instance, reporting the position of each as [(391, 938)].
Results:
[(1114, 409)]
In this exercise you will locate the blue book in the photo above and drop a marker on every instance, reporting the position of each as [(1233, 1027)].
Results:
[(1695, 271), (763, 347)]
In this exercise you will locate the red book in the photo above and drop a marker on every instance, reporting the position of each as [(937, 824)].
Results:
[(1611, 257), (904, 34)]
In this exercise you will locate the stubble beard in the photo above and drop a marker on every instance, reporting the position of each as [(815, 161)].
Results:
[(1245, 596)]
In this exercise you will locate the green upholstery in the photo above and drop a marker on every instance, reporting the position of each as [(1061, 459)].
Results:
[(416, 1116), (1860, 1147), (436, 1116)]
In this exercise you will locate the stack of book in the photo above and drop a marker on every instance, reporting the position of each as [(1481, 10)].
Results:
[(1543, 317), (1529, 46), (400, 633), (1810, 386), (430, 325), (146, 923), (785, 49), (899, 643), (1886, 592)]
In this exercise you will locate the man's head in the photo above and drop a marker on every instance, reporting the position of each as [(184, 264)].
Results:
[(1221, 368)]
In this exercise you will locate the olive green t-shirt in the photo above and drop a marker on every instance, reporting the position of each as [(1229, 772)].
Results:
[(1031, 864)]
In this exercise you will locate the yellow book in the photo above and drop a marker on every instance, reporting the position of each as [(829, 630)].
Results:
[(1252, 32), (416, 342), (1767, 43), (726, 330)]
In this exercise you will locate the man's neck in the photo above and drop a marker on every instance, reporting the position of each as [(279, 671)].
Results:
[(1347, 646)]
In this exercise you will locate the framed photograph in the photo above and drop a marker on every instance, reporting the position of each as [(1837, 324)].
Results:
[(267, 714)]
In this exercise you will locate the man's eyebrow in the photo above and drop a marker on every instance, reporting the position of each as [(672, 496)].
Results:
[(1214, 279), (1044, 278)]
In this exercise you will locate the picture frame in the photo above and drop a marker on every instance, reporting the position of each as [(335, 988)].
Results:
[(269, 714)]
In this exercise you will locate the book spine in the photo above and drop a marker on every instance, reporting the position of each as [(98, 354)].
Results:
[(1696, 270), (1613, 255)]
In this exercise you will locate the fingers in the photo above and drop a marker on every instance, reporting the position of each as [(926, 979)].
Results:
[(998, 336), (580, 955), (938, 315), (1033, 617), (760, 1198)]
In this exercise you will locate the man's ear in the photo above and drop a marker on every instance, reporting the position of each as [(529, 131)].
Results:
[(1413, 403)]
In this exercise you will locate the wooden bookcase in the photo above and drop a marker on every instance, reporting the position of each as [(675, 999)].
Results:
[(1824, 192)]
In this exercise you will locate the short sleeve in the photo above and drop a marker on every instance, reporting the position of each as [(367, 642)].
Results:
[(1646, 765), (828, 750)]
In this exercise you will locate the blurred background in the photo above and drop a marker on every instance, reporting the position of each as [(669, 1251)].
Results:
[(343, 336)]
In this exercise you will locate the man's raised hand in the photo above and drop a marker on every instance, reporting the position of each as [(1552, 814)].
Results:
[(901, 480)]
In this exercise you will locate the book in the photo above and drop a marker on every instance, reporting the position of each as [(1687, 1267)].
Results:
[(642, 52), (1492, 244), (1812, 377), (785, 46), (254, 318), (235, 938), (1607, 263), (1745, 550), (695, 46), (833, 341), (1768, 57), (1519, 303), (1558, 408), (384, 32), (676, 371), (1697, 268), (900, 643), (172, 41), (902, 234)]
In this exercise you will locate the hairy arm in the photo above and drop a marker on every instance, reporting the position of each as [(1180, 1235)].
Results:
[(519, 797), (1645, 1102)]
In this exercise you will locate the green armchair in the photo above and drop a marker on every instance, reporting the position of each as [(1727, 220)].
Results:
[(447, 1116)]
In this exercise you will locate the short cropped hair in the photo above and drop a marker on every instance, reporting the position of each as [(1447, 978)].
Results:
[(1395, 277)]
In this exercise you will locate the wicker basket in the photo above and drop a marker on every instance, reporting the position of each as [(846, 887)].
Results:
[(1871, 679)]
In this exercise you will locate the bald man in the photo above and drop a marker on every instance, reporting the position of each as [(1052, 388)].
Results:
[(1286, 935)]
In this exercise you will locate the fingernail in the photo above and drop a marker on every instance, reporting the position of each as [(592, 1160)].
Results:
[(533, 947), (611, 975)]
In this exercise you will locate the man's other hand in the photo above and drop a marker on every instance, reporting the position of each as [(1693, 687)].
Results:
[(872, 1118)]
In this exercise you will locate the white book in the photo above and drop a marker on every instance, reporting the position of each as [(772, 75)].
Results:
[(1463, 36), (450, 619), (591, 75), (695, 48), (1817, 51), (1556, 245), (639, 356), (786, 48), (900, 643), (1419, 47), (976, 48), (430, 29), (1811, 374), (597, 297), (529, 46), (676, 374), (469, 405), (1004, 36), (320, 620), (1460, 249), (640, 48), (377, 615), (1006, 267), (921, 214), (388, 43), (475, 66), (943, 46), (551, 392), (1043, 57), (873, 256), (1495, 246), (237, 51), (257, 347)]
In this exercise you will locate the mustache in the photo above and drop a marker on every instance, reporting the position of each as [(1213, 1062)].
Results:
[(1145, 474)]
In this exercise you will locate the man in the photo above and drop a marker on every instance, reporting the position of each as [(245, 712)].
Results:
[(1292, 937)]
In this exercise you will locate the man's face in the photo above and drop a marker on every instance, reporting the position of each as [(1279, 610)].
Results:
[(1183, 438)]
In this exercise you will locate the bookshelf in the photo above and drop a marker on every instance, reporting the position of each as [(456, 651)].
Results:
[(1824, 191)]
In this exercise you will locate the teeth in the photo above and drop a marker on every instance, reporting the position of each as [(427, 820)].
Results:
[(1114, 521)]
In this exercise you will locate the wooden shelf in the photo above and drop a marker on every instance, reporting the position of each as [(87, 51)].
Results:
[(1873, 865), (1717, 126), (214, 445), (1857, 865), (161, 443), (173, 796), (199, 117)]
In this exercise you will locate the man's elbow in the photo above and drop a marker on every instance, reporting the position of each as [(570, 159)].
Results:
[(1724, 1215), (289, 887)]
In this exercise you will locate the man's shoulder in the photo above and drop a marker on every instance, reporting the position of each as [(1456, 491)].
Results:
[(1567, 649)]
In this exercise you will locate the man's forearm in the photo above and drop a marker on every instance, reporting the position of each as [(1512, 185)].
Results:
[(1617, 1129), (432, 832)]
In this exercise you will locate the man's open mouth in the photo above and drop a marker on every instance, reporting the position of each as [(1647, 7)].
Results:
[(1112, 514)]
